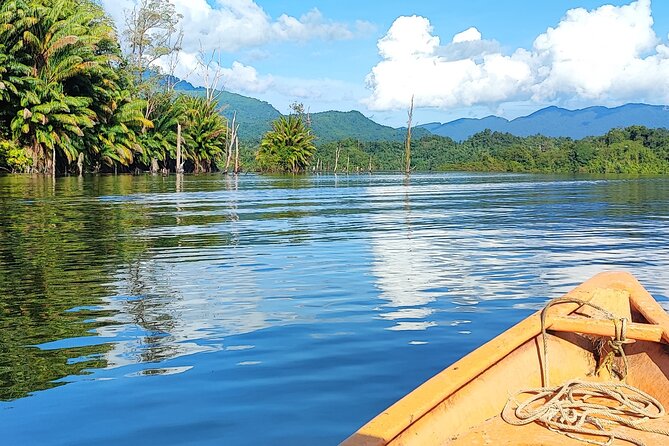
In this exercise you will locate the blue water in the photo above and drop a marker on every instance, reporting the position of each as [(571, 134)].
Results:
[(282, 311)]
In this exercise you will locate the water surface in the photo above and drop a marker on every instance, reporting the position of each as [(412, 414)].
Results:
[(278, 310)]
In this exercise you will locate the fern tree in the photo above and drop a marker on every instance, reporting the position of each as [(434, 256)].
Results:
[(288, 147), (204, 132), (117, 136), (159, 141), (59, 49)]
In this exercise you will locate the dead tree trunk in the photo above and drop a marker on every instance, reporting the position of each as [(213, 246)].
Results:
[(407, 150), (80, 163), (237, 166), (179, 167), (233, 137), (337, 153)]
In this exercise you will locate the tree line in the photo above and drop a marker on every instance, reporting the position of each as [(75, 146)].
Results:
[(635, 149)]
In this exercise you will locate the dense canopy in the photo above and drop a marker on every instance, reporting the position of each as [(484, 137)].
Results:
[(69, 100)]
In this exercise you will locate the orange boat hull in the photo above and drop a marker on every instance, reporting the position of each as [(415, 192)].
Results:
[(461, 405)]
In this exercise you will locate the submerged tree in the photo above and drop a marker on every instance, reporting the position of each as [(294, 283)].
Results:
[(288, 147)]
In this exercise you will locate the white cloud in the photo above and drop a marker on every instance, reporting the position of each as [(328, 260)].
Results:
[(413, 65), (245, 79), (408, 38), (232, 25), (467, 35), (596, 54), (238, 77), (610, 54)]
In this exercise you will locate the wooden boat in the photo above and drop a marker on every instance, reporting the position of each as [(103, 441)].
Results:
[(463, 404)]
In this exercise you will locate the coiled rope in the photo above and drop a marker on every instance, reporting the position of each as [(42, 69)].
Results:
[(585, 410)]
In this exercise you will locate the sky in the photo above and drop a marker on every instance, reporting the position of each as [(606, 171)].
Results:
[(455, 58)]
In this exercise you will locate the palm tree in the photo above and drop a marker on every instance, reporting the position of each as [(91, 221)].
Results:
[(288, 147), (61, 48), (205, 132), (159, 141), (116, 138)]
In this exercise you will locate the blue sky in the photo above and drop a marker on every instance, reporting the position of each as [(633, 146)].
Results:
[(458, 59)]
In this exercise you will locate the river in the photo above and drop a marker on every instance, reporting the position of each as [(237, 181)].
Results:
[(213, 310)]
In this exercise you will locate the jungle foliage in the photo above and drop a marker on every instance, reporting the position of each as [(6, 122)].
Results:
[(71, 100), (635, 149)]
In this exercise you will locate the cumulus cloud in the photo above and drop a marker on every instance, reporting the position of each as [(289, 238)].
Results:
[(610, 54), (245, 79), (414, 64), (231, 25), (593, 54), (238, 77)]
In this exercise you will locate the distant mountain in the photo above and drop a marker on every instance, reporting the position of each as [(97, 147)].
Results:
[(463, 128), (336, 125), (555, 121)]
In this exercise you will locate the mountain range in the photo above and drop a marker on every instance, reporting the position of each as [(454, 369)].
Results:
[(255, 117), (555, 121)]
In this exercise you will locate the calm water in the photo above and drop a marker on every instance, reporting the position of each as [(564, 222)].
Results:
[(281, 311)]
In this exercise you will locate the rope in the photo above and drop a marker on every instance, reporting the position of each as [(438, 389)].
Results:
[(581, 408)]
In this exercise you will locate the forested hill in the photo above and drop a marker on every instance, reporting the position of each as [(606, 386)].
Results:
[(559, 122), (335, 125), (633, 150), (255, 117)]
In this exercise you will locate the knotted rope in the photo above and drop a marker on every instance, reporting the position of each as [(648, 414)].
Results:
[(579, 409)]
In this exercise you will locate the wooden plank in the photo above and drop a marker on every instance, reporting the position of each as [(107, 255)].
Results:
[(645, 304), (599, 327)]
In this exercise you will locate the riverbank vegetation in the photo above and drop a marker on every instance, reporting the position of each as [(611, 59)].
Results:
[(72, 100)]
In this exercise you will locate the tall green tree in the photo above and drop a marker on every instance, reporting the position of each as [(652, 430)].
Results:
[(288, 147), (151, 32), (205, 132)]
